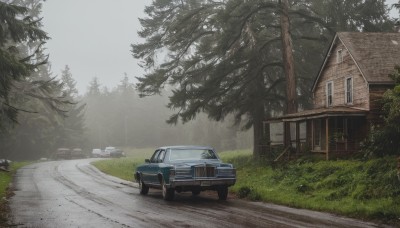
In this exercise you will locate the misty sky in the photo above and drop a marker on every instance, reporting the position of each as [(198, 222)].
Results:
[(93, 37)]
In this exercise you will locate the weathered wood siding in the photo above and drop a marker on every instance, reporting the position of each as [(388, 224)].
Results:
[(375, 95), (338, 72)]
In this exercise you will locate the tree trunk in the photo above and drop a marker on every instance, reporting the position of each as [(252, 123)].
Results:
[(258, 114), (288, 62), (258, 118)]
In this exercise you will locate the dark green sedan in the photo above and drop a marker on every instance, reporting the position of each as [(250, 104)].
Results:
[(185, 168)]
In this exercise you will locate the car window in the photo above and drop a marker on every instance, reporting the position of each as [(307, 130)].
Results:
[(154, 157), (191, 154), (161, 156)]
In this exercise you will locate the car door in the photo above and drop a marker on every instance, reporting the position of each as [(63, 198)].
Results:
[(149, 172), (156, 165)]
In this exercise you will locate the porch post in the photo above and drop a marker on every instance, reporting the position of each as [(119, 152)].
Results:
[(312, 134), (327, 137), (297, 137)]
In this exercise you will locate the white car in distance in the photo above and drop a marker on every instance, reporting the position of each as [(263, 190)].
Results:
[(96, 153), (108, 150)]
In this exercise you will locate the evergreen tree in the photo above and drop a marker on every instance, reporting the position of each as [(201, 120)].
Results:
[(354, 15), (69, 86), (15, 29), (27, 87), (21, 56), (227, 57), (223, 57), (70, 130)]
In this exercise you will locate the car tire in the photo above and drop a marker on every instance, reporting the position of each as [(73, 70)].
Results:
[(167, 193), (195, 192), (143, 189), (222, 192)]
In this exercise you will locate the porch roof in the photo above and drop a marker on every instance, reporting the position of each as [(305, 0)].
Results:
[(318, 113)]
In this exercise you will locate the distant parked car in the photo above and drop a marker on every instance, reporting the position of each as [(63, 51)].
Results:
[(63, 153), (107, 151), (77, 153), (96, 153), (117, 153), (185, 168), (5, 165)]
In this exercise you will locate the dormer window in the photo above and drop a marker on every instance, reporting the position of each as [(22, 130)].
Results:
[(329, 94), (339, 56), (349, 90)]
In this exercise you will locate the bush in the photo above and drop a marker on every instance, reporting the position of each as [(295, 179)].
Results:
[(243, 192), (385, 140)]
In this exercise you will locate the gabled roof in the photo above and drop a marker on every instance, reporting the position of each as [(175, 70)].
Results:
[(375, 54)]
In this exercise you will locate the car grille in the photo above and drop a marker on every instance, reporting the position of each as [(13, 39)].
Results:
[(204, 171)]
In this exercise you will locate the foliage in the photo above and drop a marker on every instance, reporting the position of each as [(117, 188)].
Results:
[(119, 167), (355, 15), (383, 140), (214, 66), (29, 89), (69, 130), (120, 118), (6, 177), (21, 41), (363, 189), (224, 57), (38, 134)]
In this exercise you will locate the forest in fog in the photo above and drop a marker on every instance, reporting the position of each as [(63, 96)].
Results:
[(119, 117), (216, 85), (112, 117)]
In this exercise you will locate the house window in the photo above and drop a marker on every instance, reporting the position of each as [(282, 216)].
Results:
[(339, 56), (329, 94), (349, 90)]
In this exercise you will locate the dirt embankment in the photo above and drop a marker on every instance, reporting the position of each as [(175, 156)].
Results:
[(5, 208)]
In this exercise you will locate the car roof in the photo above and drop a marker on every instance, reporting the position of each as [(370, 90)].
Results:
[(186, 147)]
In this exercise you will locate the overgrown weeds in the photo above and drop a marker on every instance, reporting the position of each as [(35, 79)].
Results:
[(367, 189), (358, 188)]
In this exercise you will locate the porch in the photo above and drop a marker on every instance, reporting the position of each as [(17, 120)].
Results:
[(331, 132)]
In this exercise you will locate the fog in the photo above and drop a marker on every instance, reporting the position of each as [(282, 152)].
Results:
[(93, 38), (90, 51), (118, 117)]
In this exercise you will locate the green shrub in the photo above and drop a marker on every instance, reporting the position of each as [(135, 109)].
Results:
[(359, 188), (243, 192)]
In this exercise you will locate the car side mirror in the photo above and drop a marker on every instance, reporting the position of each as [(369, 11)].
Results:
[(147, 160)]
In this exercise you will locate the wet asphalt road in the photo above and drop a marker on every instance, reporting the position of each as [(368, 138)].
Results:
[(73, 193)]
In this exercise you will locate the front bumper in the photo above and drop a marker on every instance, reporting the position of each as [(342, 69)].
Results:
[(202, 182)]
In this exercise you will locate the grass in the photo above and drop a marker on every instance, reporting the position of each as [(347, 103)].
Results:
[(6, 177), (362, 189), (123, 167)]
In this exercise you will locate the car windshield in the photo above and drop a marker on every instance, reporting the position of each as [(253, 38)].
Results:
[(191, 154)]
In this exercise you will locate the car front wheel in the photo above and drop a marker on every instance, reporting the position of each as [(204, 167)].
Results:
[(222, 192), (195, 192), (168, 193), (143, 189)]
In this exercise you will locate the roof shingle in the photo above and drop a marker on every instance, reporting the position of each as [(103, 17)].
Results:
[(375, 53)]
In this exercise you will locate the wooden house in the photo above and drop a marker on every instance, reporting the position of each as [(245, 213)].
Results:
[(346, 93)]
